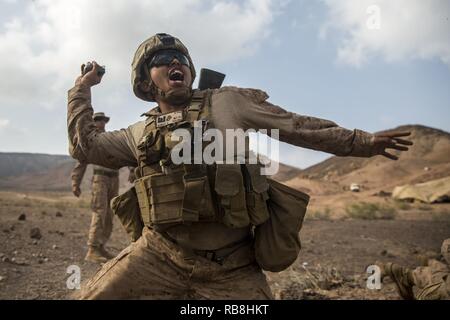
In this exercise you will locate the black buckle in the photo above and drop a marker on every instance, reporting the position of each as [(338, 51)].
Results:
[(212, 256)]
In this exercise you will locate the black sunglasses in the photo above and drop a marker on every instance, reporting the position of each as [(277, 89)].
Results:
[(165, 58)]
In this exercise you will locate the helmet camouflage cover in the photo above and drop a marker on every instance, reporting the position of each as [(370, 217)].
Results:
[(146, 50)]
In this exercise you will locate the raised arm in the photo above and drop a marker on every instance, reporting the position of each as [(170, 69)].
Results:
[(249, 109), (88, 144)]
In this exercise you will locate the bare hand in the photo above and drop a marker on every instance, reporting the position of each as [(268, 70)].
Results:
[(391, 140), (76, 191), (91, 78)]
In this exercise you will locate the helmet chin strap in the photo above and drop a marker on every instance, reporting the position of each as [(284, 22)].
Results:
[(176, 96)]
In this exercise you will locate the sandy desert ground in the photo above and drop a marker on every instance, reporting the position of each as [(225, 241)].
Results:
[(332, 263)]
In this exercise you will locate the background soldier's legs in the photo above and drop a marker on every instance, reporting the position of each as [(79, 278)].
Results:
[(113, 191), (100, 211)]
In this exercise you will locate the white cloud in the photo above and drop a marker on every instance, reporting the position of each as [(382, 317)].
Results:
[(3, 123), (42, 48), (409, 29)]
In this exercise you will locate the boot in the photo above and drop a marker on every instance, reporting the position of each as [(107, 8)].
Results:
[(106, 253), (95, 255), (402, 279)]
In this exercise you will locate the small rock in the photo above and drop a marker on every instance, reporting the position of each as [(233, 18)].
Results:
[(15, 252), (6, 231), (5, 259), (12, 228), (59, 214), (40, 261), (45, 259), (54, 247), (2, 278), (35, 242), (22, 217), (384, 252), (19, 262), (35, 233)]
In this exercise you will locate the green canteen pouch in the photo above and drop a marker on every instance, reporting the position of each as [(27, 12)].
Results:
[(277, 242), (126, 208), (229, 186)]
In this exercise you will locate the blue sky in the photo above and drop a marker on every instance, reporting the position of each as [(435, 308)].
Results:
[(317, 58)]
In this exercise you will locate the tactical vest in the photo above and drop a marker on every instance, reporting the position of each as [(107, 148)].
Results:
[(169, 194)]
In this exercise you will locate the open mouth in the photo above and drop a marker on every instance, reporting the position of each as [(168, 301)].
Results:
[(176, 76)]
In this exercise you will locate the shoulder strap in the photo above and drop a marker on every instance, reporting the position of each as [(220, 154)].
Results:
[(193, 112), (196, 106)]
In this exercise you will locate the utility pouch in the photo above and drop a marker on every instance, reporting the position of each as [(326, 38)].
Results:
[(126, 207), (277, 242), (197, 200), (256, 194), (229, 186), (152, 146), (161, 198)]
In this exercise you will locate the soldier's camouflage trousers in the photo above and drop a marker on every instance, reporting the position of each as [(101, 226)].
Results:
[(104, 188), (153, 267), (432, 282)]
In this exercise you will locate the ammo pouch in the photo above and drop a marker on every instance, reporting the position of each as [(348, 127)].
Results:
[(242, 193), (127, 210), (277, 242), (229, 186), (178, 197), (256, 194)]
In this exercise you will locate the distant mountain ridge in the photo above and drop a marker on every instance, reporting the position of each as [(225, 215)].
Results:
[(15, 164), (42, 172), (427, 160)]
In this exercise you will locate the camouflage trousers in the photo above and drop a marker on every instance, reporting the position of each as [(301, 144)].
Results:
[(154, 267), (432, 282), (104, 188)]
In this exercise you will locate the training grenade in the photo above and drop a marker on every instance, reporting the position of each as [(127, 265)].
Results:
[(89, 66)]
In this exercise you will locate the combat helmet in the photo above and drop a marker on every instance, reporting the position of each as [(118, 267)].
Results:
[(445, 250), (145, 51)]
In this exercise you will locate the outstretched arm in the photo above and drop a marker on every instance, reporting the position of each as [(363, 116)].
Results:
[(249, 109), (88, 144)]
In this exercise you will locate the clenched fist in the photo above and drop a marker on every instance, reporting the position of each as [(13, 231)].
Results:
[(92, 77)]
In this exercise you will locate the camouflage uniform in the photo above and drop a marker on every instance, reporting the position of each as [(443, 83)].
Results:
[(431, 282), (177, 263), (105, 186)]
